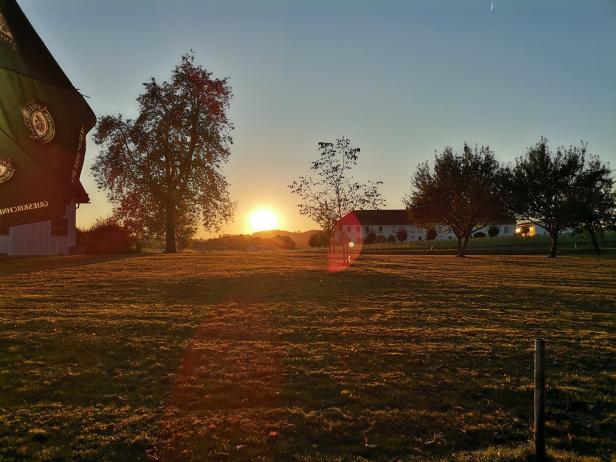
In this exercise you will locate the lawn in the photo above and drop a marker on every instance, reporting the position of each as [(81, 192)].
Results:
[(268, 356)]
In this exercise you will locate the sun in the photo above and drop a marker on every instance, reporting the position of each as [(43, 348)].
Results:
[(263, 219)]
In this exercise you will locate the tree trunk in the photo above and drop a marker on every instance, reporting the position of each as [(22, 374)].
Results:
[(594, 240), (464, 245), (169, 231), (554, 248), (460, 251)]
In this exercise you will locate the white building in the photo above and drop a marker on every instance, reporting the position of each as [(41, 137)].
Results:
[(393, 224), (50, 237), (529, 229)]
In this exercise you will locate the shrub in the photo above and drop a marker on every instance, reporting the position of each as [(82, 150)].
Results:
[(431, 234), (318, 240), (381, 239), (493, 231), (370, 238), (284, 242), (402, 235), (106, 236), (479, 234), (391, 239)]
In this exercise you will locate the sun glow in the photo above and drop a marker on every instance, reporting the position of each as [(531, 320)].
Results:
[(263, 219)]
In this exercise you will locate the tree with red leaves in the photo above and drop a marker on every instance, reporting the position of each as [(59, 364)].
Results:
[(163, 170)]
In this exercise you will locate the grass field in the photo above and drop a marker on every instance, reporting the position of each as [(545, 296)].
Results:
[(569, 244), (268, 356)]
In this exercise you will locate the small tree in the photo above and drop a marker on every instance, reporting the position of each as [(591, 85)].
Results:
[(431, 234), (329, 193), (402, 235), (318, 240), (107, 236), (391, 239), (459, 191), (551, 190), (493, 231), (370, 238)]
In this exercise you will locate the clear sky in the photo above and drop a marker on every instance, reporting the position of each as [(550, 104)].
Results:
[(400, 79)]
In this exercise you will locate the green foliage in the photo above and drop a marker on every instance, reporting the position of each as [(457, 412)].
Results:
[(391, 239), (558, 190), (431, 234), (479, 234), (370, 238), (319, 240), (163, 170), (402, 235), (329, 192), (246, 243), (493, 231), (459, 191), (106, 236)]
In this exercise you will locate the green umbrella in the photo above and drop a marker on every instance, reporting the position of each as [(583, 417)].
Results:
[(44, 121)]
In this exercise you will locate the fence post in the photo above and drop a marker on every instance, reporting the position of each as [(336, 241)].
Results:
[(539, 400)]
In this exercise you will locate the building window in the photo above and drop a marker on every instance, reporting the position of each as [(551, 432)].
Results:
[(357, 229), (4, 230), (506, 229), (380, 229), (59, 227), (367, 229)]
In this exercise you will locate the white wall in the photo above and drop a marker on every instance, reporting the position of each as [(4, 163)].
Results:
[(505, 230), (414, 233), (36, 238)]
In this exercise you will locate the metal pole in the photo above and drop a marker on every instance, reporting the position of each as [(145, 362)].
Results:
[(539, 400)]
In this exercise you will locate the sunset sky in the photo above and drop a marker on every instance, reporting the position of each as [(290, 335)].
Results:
[(399, 79)]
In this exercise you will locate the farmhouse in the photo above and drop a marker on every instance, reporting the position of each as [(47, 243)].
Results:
[(51, 237), (390, 225)]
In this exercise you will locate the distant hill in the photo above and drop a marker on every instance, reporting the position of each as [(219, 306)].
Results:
[(263, 240), (299, 237)]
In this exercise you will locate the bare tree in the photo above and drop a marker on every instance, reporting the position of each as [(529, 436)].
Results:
[(329, 192)]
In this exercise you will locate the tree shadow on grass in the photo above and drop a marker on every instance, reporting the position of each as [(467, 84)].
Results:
[(27, 264)]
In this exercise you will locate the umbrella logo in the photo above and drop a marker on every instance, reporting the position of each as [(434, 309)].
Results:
[(5, 32), (39, 121), (6, 170)]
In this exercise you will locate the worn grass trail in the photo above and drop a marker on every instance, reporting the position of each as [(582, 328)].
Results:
[(269, 356)]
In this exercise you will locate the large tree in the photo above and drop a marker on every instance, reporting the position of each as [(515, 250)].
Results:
[(548, 188), (329, 192), (163, 170), (459, 191)]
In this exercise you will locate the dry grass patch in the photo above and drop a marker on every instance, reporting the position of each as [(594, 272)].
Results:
[(268, 356)]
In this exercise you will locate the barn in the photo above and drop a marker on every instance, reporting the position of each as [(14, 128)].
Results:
[(50, 237)]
